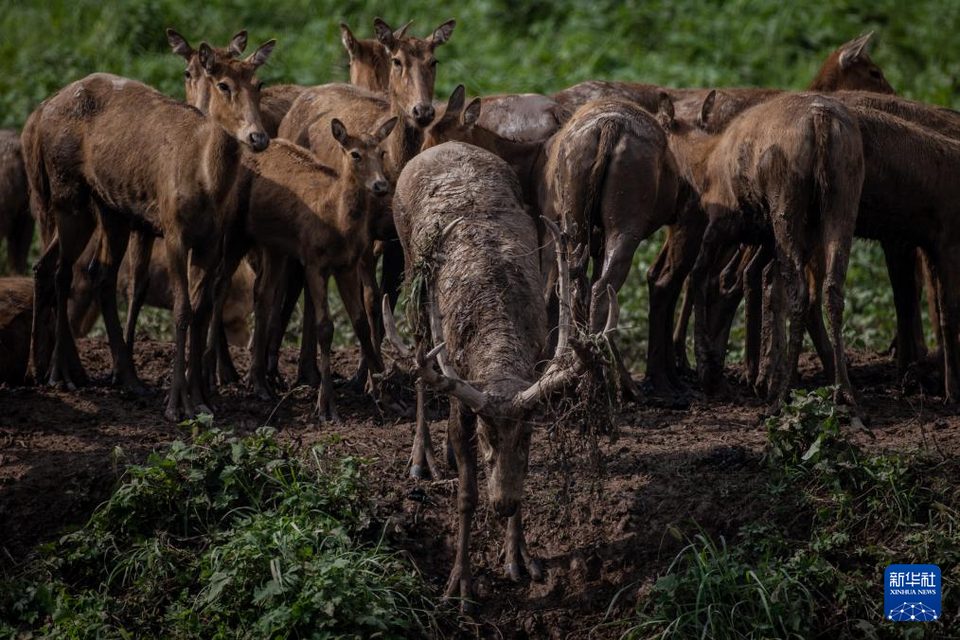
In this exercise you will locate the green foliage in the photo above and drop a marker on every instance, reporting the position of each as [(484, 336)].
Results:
[(815, 566), (223, 537)]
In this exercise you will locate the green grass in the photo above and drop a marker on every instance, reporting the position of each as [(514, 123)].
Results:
[(224, 537), (812, 567), (501, 46)]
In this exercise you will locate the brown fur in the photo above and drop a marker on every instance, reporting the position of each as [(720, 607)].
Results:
[(494, 323), (111, 150), (16, 314), (790, 169), (369, 60), (320, 217), (16, 223)]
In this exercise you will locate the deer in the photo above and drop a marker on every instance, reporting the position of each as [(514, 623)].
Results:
[(113, 152), (413, 65), (788, 171), (460, 208), (320, 217), (16, 317), (607, 176), (848, 67), (16, 223)]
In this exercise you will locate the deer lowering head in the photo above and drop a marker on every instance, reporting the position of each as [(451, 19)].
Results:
[(413, 68), (224, 87)]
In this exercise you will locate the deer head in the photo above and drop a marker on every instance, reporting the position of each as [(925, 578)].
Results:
[(505, 423), (456, 123), (413, 68), (224, 87), (363, 156), (850, 68)]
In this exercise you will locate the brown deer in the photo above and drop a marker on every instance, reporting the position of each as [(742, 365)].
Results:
[(791, 170), (320, 217), (607, 176), (459, 208), (16, 315), (16, 223), (110, 150), (413, 66), (370, 61), (848, 67)]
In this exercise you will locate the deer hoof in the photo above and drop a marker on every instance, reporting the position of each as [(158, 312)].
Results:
[(535, 568), (513, 571)]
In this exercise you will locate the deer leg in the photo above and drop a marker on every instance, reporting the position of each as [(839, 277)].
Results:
[(933, 305), (44, 308), (816, 327), (218, 364), (461, 429), (709, 361), (516, 554), (680, 331), (179, 403), (307, 372), (946, 277), (423, 463), (73, 232), (901, 262), (753, 313), (317, 285), (837, 246), (202, 277), (84, 307), (728, 285), (268, 291), (772, 335), (791, 269), (141, 252), (113, 245), (371, 303), (19, 239)]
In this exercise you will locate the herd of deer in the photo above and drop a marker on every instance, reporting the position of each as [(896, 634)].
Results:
[(499, 205)]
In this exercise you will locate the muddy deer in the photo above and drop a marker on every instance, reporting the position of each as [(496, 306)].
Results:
[(607, 177), (111, 151), (788, 171), (459, 209), (16, 223), (413, 66)]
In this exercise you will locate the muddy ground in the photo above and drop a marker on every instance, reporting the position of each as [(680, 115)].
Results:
[(671, 466)]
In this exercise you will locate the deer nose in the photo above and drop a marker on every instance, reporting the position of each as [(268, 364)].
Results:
[(423, 114), (259, 140), (381, 188), (505, 507)]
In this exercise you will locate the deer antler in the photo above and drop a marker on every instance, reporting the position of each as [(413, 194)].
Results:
[(557, 377), (563, 281), (452, 385)]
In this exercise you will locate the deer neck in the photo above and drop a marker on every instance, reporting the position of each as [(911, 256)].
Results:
[(693, 152), (220, 159), (525, 158), (402, 145)]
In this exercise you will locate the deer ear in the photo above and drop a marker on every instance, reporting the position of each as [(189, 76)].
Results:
[(455, 103), (349, 42), (706, 108), (402, 31), (179, 45), (853, 50), (665, 112), (207, 58), (384, 34), (442, 34), (339, 132), (472, 113), (385, 129), (260, 56), (237, 44)]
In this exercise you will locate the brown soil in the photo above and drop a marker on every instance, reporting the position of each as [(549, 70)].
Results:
[(671, 467)]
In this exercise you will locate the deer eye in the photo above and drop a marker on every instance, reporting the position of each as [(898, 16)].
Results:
[(397, 63), (875, 73), (223, 86), (355, 156), (382, 154), (434, 63), (186, 74)]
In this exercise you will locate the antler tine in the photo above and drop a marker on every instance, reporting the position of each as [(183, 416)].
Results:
[(563, 279), (436, 330), (463, 391)]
